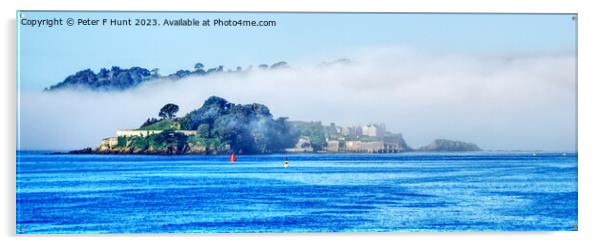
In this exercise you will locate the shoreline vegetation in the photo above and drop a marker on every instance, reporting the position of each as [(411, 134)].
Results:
[(221, 127)]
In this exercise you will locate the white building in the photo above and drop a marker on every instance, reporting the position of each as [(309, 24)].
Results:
[(374, 130)]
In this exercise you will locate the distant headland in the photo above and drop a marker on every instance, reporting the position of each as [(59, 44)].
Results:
[(118, 79), (222, 127)]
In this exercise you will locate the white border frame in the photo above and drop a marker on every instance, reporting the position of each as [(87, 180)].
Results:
[(588, 124)]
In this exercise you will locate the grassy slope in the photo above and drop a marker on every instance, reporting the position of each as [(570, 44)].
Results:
[(163, 125)]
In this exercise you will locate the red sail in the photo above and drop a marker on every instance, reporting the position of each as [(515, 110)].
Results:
[(232, 158)]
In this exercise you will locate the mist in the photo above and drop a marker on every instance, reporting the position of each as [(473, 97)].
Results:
[(517, 102)]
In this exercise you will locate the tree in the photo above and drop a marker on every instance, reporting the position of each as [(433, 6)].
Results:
[(106, 79), (104, 73), (199, 66), (181, 73), (169, 111)]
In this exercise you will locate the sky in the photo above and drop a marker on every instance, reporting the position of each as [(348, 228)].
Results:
[(502, 81)]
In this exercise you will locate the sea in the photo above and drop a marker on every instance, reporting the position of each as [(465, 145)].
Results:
[(406, 192)]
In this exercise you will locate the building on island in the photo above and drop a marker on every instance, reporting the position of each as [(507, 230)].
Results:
[(351, 132), (108, 144), (333, 146), (370, 138), (111, 142), (373, 130)]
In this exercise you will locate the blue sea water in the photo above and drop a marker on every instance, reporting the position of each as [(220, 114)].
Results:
[(317, 193)]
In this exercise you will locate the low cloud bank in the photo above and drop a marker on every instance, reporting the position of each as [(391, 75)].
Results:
[(524, 102)]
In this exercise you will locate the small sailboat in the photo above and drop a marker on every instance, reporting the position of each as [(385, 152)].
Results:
[(286, 162), (232, 158)]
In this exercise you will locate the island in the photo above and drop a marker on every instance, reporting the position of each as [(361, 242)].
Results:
[(222, 127), (449, 145)]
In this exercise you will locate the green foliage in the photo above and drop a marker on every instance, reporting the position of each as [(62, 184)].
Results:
[(168, 142), (219, 124), (204, 130), (149, 121), (211, 109), (247, 128), (138, 142), (164, 124), (106, 79), (211, 143), (121, 141)]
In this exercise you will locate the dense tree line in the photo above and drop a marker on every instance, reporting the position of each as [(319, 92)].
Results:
[(106, 79), (121, 79), (220, 126), (247, 128)]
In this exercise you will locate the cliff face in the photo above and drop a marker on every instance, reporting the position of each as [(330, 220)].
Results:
[(449, 146)]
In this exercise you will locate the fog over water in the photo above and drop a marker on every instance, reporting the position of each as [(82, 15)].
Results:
[(523, 102)]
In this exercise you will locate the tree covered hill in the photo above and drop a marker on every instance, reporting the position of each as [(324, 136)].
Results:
[(220, 126), (248, 128), (116, 78), (106, 79)]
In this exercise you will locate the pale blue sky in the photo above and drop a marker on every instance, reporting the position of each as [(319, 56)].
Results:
[(48, 55)]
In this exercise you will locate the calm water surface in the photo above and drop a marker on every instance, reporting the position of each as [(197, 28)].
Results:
[(317, 193)]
